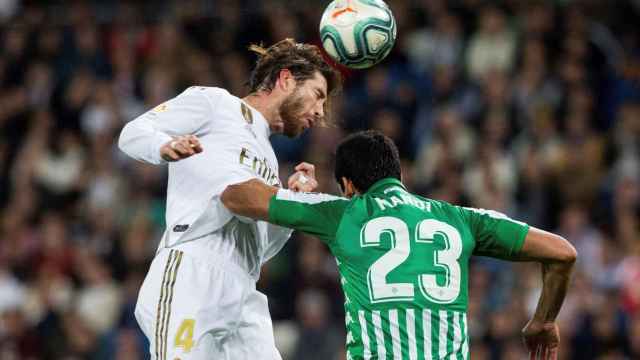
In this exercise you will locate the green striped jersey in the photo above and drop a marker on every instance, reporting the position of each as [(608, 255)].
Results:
[(403, 263)]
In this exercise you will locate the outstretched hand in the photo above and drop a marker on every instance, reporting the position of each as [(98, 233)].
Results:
[(542, 340), (304, 179), (180, 147)]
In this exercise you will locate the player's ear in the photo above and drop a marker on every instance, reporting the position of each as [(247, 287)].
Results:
[(347, 188), (286, 81)]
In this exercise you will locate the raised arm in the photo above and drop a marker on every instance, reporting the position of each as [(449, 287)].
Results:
[(168, 132), (499, 236), (557, 256)]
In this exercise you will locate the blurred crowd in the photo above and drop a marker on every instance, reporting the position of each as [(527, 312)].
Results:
[(528, 107)]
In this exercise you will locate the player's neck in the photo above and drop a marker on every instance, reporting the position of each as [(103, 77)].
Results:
[(265, 105)]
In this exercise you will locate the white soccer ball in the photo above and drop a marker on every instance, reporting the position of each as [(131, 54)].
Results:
[(358, 33)]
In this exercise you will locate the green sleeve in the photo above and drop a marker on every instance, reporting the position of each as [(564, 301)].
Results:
[(496, 235), (312, 213)]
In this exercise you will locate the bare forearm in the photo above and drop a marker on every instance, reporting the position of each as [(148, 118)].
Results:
[(250, 198), (555, 277)]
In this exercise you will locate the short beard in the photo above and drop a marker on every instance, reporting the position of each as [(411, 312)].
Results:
[(290, 111)]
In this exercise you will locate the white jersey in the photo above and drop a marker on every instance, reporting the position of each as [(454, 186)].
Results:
[(236, 147)]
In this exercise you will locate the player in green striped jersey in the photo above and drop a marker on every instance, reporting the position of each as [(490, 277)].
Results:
[(404, 259)]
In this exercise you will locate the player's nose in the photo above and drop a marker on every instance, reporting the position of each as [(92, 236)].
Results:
[(318, 111)]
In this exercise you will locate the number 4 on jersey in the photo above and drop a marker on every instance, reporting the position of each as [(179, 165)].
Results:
[(382, 291), (184, 335)]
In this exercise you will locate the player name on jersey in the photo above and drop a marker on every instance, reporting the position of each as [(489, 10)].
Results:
[(403, 198), (259, 166)]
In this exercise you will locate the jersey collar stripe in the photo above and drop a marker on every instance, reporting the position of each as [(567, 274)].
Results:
[(386, 182), (364, 335)]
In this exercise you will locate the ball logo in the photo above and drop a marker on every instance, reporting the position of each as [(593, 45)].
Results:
[(342, 8)]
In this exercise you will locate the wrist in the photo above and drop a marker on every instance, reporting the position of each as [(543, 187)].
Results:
[(161, 140)]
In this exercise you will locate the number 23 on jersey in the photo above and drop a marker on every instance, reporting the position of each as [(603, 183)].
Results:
[(447, 259)]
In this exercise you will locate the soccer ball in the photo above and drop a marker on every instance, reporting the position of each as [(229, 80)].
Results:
[(358, 33)]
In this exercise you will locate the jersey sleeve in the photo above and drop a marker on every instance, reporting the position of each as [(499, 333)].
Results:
[(312, 213), (496, 234), (186, 114)]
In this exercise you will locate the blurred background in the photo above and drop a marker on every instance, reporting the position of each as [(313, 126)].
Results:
[(523, 106)]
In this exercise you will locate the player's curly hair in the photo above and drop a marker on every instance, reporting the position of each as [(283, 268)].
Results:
[(366, 157), (301, 59)]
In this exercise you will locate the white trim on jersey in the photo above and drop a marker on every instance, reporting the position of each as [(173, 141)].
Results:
[(426, 333), (377, 323), (306, 198), (494, 214), (395, 334), (442, 336), (451, 343), (457, 335), (411, 334), (465, 344), (365, 335)]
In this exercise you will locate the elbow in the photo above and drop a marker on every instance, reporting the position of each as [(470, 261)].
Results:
[(566, 253), (227, 198), (123, 138)]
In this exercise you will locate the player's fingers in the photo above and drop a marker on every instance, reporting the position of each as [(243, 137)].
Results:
[(544, 353), (292, 180), (553, 353), (311, 185), (307, 168), (194, 143), (169, 155), (295, 187), (181, 147)]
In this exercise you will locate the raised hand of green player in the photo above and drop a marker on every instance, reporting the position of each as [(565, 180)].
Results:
[(542, 340)]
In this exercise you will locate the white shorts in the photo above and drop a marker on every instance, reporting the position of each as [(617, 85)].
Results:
[(192, 309)]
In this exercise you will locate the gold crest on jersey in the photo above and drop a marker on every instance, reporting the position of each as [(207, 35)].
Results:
[(160, 108), (246, 113)]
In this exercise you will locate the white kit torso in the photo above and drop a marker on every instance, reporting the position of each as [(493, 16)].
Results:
[(236, 147)]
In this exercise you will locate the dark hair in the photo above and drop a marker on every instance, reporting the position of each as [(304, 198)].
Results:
[(366, 157), (303, 60)]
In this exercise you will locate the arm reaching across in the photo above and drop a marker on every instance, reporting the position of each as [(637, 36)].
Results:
[(313, 213), (250, 199)]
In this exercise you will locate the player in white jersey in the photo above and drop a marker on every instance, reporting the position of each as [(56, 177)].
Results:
[(199, 300)]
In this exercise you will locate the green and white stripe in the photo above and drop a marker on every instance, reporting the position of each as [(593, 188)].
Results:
[(411, 334)]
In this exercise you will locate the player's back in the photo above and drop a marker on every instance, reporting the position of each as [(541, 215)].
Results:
[(403, 261)]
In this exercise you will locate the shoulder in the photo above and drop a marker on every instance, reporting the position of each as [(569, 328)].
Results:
[(205, 94)]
